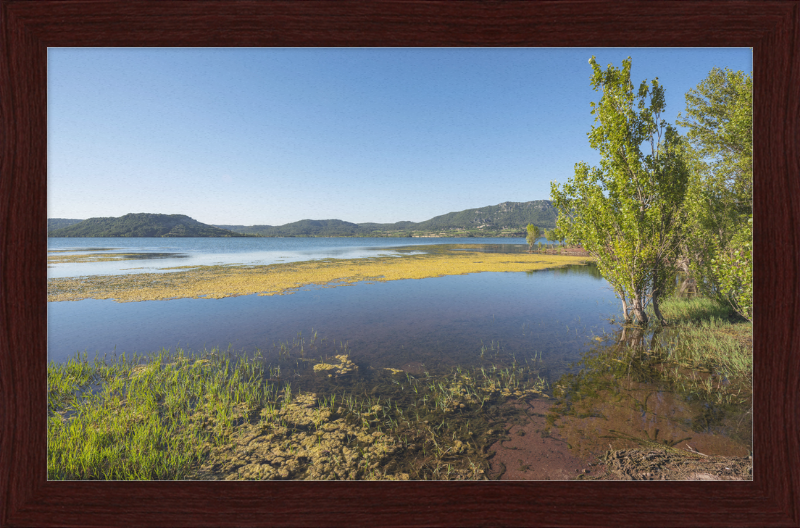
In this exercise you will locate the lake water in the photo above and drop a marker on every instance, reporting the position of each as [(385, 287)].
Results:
[(443, 320), (158, 254), (557, 316)]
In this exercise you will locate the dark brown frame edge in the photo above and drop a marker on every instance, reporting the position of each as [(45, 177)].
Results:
[(29, 27)]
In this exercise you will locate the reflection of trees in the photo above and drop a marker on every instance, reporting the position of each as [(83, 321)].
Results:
[(589, 269), (626, 391)]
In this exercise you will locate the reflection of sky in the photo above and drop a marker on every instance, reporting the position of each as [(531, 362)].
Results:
[(443, 319), (221, 251), (162, 264)]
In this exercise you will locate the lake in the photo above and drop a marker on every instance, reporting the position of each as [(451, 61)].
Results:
[(559, 320), (437, 320), (156, 254)]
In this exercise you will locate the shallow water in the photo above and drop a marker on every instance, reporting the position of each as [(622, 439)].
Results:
[(434, 321), (560, 317), (620, 397), (172, 252)]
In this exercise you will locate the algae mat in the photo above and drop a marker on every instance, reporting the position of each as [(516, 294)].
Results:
[(216, 282)]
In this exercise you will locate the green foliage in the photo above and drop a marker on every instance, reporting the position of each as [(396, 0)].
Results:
[(628, 211), (719, 115), (734, 269), (533, 234), (58, 223), (720, 197), (142, 225)]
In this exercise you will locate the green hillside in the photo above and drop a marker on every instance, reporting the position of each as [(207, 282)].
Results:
[(58, 223), (142, 225), (318, 228), (507, 217)]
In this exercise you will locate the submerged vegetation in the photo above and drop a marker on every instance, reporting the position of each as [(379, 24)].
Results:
[(216, 416), (315, 412), (683, 391)]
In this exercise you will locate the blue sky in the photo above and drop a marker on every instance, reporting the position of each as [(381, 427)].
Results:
[(271, 136)]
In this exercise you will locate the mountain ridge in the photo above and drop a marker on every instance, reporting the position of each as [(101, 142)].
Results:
[(504, 219), (141, 225), (508, 216)]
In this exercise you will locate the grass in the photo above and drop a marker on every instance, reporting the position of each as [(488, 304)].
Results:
[(180, 416), (694, 310), (709, 336), (144, 419), (691, 380)]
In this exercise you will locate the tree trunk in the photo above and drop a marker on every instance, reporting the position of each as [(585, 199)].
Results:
[(688, 284), (638, 310), (657, 309), (625, 311)]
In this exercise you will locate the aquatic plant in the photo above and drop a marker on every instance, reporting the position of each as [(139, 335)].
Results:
[(214, 415), (215, 282)]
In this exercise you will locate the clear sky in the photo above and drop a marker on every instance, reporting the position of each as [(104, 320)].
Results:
[(271, 136)]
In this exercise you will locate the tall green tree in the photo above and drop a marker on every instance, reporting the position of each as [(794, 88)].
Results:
[(533, 233), (718, 249), (628, 212)]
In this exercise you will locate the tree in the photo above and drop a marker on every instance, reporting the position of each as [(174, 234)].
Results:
[(718, 248), (533, 233), (628, 212)]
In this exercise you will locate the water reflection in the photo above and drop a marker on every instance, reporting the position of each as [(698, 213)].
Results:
[(447, 321), (589, 269), (627, 394), (245, 250)]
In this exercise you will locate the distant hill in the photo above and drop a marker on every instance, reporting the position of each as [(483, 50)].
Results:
[(141, 225), (505, 215), (505, 219), (302, 228), (58, 223), (513, 216)]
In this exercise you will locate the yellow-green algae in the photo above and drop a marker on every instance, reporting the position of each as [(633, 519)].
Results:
[(345, 366), (91, 257), (302, 441), (307, 439), (219, 417), (215, 282)]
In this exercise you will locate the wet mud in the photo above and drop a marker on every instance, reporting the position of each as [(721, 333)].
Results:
[(528, 451)]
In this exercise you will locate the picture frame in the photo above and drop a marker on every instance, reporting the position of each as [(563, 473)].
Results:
[(27, 498)]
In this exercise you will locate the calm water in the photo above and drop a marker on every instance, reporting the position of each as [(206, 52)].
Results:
[(415, 325), (156, 254), (443, 320)]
